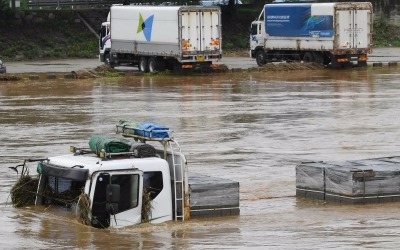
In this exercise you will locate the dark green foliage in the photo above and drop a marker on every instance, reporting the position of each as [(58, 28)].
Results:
[(60, 36), (385, 34), (3, 5), (236, 25)]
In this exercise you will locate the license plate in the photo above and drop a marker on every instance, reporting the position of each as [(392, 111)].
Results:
[(200, 58)]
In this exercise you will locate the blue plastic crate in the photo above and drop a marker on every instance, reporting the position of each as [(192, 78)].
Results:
[(152, 130)]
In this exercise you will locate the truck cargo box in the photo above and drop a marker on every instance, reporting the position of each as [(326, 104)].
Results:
[(330, 25), (359, 181), (213, 196)]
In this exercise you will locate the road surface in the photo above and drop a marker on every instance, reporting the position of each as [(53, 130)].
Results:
[(384, 55)]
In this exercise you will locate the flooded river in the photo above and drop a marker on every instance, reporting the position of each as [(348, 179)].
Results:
[(250, 127)]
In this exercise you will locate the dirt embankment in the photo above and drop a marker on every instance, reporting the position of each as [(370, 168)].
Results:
[(104, 71)]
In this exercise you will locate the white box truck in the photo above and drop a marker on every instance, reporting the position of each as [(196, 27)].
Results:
[(156, 38), (123, 181), (335, 34)]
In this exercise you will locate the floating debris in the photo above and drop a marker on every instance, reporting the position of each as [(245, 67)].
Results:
[(100, 71), (9, 77), (146, 207), (288, 66), (23, 193), (83, 209)]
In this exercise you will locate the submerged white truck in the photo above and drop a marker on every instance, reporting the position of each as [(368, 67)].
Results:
[(141, 176), (156, 38), (335, 34)]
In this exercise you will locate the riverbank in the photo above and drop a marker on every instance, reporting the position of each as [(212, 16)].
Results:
[(379, 55)]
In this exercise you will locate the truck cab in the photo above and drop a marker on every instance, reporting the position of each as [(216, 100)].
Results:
[(257, 42), (112, 190), (105, 43), (257, 39)]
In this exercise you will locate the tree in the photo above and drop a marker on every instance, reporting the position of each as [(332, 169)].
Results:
[(3, 5)]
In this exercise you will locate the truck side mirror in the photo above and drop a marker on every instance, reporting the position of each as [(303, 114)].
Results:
[(112, 198)]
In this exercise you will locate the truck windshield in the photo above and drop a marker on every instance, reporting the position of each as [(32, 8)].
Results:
[(61, 191)]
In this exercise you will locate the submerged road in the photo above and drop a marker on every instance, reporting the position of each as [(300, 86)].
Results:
[(383, 55)]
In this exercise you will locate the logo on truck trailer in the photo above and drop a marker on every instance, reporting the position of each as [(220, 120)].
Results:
[(297, 22), (145, 26)]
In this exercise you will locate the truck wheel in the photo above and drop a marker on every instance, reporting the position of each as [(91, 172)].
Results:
[(308, 57), (160, 62), (260, 58), (152, 64), (334, 63), (107, 60), (327, 61), (144, 64), (318, 58), (156, 64), (177, 67), (362, 64)]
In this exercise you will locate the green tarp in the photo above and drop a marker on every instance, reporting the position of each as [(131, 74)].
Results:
[(109, 144), (127, 123)]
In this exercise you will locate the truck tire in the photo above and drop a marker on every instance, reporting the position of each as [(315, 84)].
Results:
[(362, 64), (308, 57), (334, 63), (260, 58), (160, 62), (143, 64), (107, 60), (156, 64), (152, 64), (318, 57)]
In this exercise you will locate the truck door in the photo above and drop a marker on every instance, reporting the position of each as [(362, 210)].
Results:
[(353, 27), (256, 38), (200, 30), (117, 198), (104, 36)]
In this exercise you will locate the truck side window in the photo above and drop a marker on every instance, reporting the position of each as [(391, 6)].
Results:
[(129, 190), (129, 193), (254, 29), (153, 182)]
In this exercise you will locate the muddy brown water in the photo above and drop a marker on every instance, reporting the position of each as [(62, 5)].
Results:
[(252, 127)]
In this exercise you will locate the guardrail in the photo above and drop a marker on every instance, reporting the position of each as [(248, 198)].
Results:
[(71, 3), (101, 3)]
